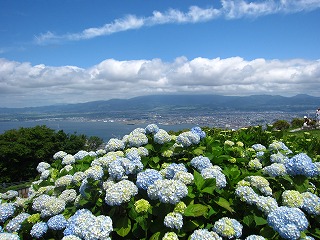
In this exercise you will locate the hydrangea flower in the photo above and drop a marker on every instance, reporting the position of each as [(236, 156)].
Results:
[(48, 205), (152, 128), (63, 181), (161, 137), (255, 237), (288, 222), (173, 220), (114, 144), (14, 224), (215, 172), (204, 234), (185, 177), (266, 204), (260, 183), (72, 237), (39, 229), (246, 194), (78, 177), (68, 160), (45, 174), (258, 147), (255, 164), (10, 194), (167, 191), (57, 222), (278, 158), (94, 172), (68, 195), (180, 207), (66, 168), (173, 168), (277, 146), (42, 166), (81, 154), (59, 155), (228, 227), (292, 198), (120, 192), (199, 132), (136, 139), (187, 139), (200, 163), (301, 164), (85, 225), (311, 203), (142, 205), (9, 236), (275, 170), (170, 236), (6, 211), (147, 178), (229, 143)]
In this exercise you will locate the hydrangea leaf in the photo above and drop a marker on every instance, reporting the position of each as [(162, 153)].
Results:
[(195, 210), (222, 202), (123, 226)]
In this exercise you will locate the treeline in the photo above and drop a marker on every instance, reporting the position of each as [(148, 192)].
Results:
[(22, 149)]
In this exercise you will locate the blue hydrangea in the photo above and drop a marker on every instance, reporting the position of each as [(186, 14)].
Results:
[(199, 132), (152, 128), (278, 158), (68, 160), (288, 222), (301, 164), (167, 191), (246, 194), (258, 147), (6, 211), (64, 181), (114, 144), (255, 237), (279, 146), (48, 205), (59, 155), (39, 229), (57, 222), (9, 236), (187, 139), (266, 204), (10, 194), (132, 167), (275, 170), (120, 192), (81, 154), (94, 172), (133, 154), (147, 178), (14, 224), (200, 163), (255, 164), (78, 177), (42, 166), (173, 168), (136, 139), (85, 225), (204, 234), (228, 227), (311, 203), (68, 195), (215, 172), (116, 170), (185, 177), (173, 220), (45, 174), (162, 137)]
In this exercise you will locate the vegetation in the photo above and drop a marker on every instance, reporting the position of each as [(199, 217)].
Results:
[(22, 149), (152, 185)]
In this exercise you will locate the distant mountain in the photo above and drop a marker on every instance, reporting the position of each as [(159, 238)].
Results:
[(165, 104)]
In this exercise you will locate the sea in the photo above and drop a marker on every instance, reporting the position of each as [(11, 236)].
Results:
[(104, 130)]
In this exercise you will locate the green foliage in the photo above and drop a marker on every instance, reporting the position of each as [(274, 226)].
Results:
[(22, 149), (297, 122), (281, 125)]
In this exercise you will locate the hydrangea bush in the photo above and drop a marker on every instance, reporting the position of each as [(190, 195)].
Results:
[(196, 184)]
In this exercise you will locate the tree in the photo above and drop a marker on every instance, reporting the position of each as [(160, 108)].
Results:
[(281, 125)]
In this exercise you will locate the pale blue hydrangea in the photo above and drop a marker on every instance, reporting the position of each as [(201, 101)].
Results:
[(204, 234), (255, 164), (266, 204), (301, 164), (85, 225), (48, 205), (59, 155), (170, 236), (187, 139), (185, 177), (38, 230), (292, 198), (45, 174), (10, 194), (66, 168), (92, 154), (255, 237), (275, 170), (258, 147), (14, 224), (94, 172), (6, 211), (167, 191), (64, 181), (199, 132), (103, 161), (228, 227), (147, 178), (215, 172), (68, 195), (152, 128), (136, 139), (278, 158), (116, 170), (132, 154), (143, 152), (260, 154), (72, 237), (228, 143), (68, 159), (173, 168), (78, 177), (42, 166), (162, 137), (247, 194), (288, 222), (114, 144), (200, 163), (132, 166), (57, 222), (120, 192), (9, 236), (100, 152), (173, 220), (138, 130), (260, 183), (1, 229), (311, 203), (81, 154), (279, 146)]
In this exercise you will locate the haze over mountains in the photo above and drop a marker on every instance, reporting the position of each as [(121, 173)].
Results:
[(166, 104)]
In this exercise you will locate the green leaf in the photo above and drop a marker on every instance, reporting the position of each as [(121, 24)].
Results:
[(156, 236), (198, 180), (225, 204), (267, 232), (198, 151), (123, 226), (260, 220), (248, 220), (195, 210), (155, 159), (208, 185)]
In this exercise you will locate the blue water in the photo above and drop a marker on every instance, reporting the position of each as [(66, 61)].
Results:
[(104, 130)]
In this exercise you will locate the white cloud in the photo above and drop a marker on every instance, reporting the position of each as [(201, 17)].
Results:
[(22, 84), (231, 9)]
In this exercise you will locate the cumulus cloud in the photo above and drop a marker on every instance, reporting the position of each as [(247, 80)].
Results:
[(230, 9), (22, 84)]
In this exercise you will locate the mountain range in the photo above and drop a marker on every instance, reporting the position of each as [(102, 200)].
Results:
[(166, 104)]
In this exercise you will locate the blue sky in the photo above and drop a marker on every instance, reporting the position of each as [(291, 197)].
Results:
[(69, 51)]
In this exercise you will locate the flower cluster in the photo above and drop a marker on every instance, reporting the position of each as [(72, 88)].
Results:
[(278, 146), (64, 181), (187, 139), (147, 178), (59, 155), (311, 203), (114, 144), (161, 137), (39, 229), (10, 194), (68, 159), (48, 205), (228, 227), (173, 220), (81, 154), (6, 211), (275, 170), (42, 166), (301, 164), (170, 236), (292, 198), (85, 225), (142, 205), (199, 132), (152, 128), (57, 222), (201, 234), (136, 138), (288, 222), (94, 172), (120, 192), (14, 224)]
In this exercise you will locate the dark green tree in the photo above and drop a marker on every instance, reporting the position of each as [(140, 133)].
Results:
[(281, 125)]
